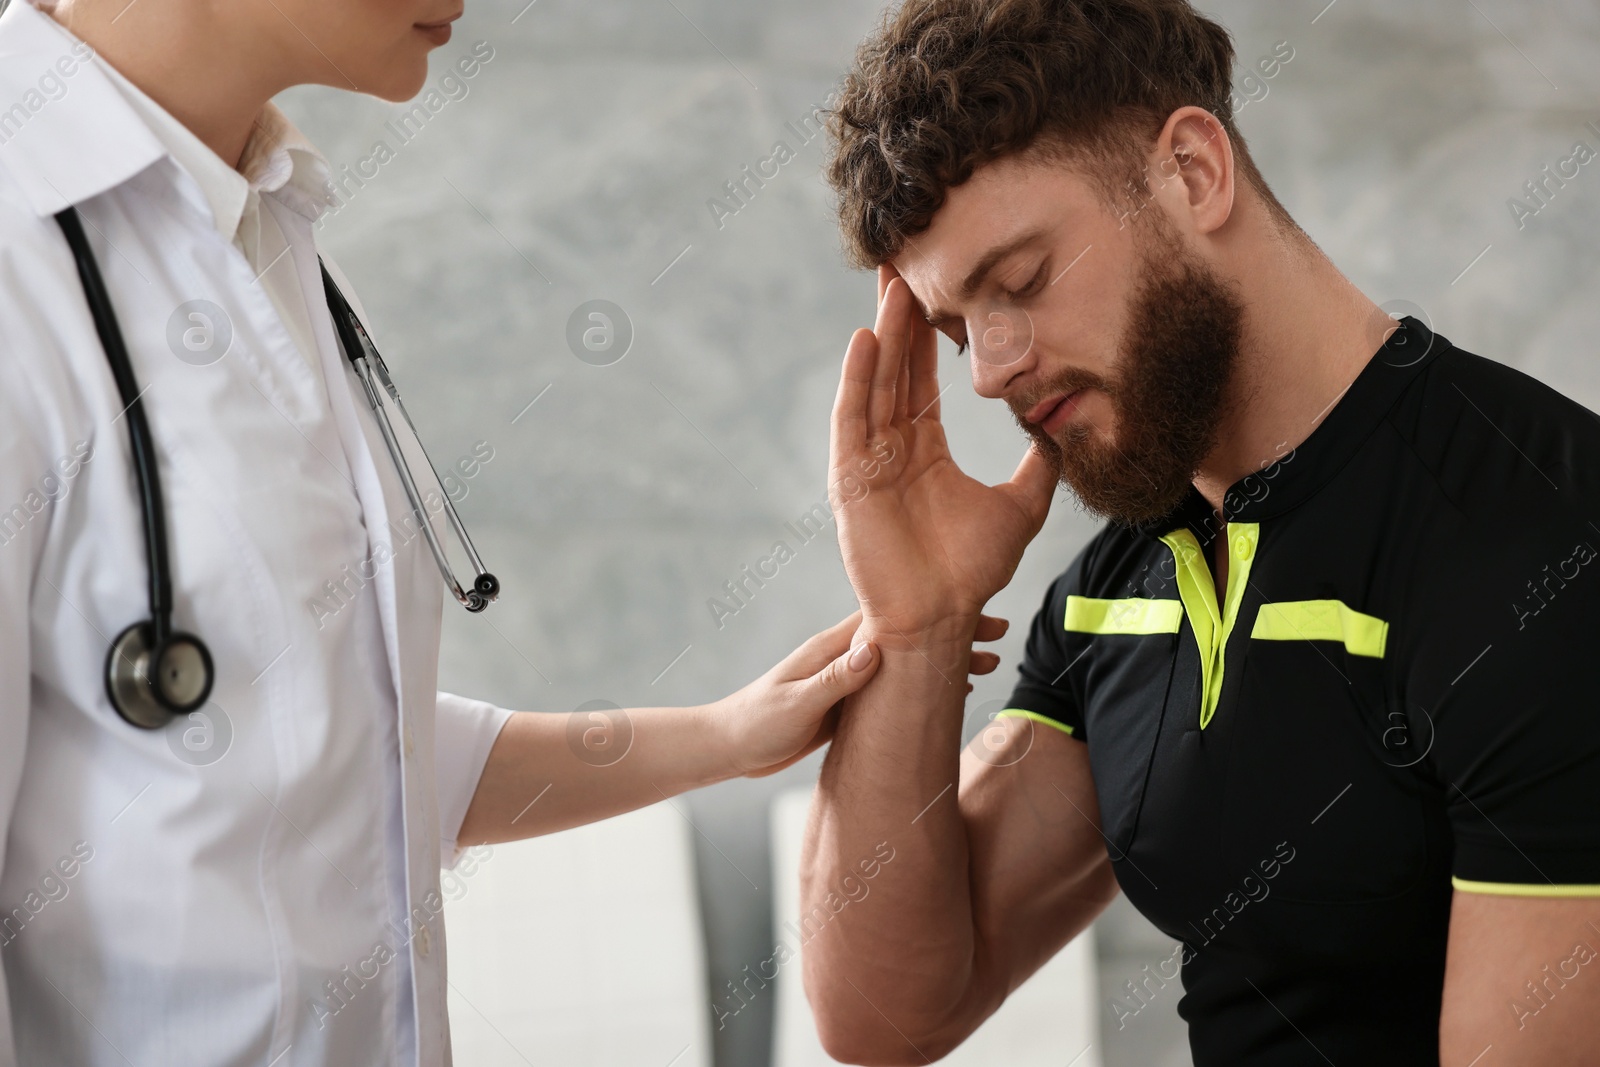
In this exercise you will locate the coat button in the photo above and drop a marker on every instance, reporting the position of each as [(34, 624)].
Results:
[(423, 941)]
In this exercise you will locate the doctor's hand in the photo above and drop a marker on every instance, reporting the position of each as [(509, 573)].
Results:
[(792, 710), (924, 545)]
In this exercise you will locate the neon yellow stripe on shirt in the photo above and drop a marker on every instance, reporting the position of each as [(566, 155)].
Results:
[(1512, 889), (1020, 713), (1322, 620), (1135, 615)]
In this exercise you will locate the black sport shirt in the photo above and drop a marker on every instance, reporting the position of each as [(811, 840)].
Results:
[(1396, 697)]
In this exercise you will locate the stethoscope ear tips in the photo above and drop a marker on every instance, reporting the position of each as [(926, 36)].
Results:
[(485, 587), (149, 686)]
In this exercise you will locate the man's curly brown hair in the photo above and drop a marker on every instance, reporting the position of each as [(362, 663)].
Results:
[(945, 86)]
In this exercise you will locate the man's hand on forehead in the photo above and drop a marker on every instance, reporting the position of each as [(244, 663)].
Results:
[(923, 543)]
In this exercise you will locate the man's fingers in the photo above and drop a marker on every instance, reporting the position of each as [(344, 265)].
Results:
[(919, 389), (983, 663), (887, 272), (893, 332), (923, 395), (902, 386), (849, 428), (991, 628)]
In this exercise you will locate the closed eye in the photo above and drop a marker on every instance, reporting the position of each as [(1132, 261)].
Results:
[(1034, 284)]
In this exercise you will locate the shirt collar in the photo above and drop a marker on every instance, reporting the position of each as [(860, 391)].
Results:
[(277, 159), (1298, 474), (74, 136)]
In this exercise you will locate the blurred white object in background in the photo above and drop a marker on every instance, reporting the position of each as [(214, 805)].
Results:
[(1049, 1022), (580, 949)]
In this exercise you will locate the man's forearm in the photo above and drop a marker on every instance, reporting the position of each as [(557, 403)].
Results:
[(550, 772), (891, 778)]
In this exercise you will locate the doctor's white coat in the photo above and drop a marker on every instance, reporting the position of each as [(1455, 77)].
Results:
[(258, 884)]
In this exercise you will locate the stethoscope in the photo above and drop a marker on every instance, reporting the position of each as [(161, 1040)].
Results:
[(154, 672)]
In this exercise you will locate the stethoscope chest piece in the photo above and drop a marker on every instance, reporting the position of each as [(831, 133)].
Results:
[(148, 686)]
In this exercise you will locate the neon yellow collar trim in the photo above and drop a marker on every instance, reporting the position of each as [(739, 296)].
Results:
[(1212, 625)]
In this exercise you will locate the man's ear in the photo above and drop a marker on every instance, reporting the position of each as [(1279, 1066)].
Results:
[(1194, 149)]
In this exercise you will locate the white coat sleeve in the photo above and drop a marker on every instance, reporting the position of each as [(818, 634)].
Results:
[(464, 732)]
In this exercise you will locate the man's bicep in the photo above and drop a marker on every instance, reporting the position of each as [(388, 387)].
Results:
[(1523, 976), (1040, 872)]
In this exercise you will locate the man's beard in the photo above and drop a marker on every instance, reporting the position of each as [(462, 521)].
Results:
[(1173, 386)]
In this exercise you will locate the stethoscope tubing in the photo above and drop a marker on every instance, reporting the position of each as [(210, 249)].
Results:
[(374, 377), (139, 438)]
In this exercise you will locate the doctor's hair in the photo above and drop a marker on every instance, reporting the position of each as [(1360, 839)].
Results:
[(943, 87)]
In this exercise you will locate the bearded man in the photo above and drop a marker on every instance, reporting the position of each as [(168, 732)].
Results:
[(1315, 698)]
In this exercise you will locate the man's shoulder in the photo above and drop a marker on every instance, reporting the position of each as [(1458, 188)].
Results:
[(1492, 386), (1516, 467), (1497, 441)]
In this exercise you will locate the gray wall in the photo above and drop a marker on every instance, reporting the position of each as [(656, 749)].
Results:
[(579, 166)]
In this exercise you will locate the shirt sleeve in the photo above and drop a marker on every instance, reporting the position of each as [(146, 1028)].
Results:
[(1517, 739), (1047, 690), (464, 732)]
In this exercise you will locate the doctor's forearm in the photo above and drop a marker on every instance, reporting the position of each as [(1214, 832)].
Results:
[(546, 774)]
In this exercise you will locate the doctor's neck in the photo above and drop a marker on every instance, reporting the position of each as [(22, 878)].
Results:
[(214, 66)]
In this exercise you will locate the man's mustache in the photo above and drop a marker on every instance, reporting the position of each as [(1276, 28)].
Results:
[(1069, 380)]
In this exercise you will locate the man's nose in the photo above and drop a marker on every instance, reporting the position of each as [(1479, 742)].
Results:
[(1000, 345)]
